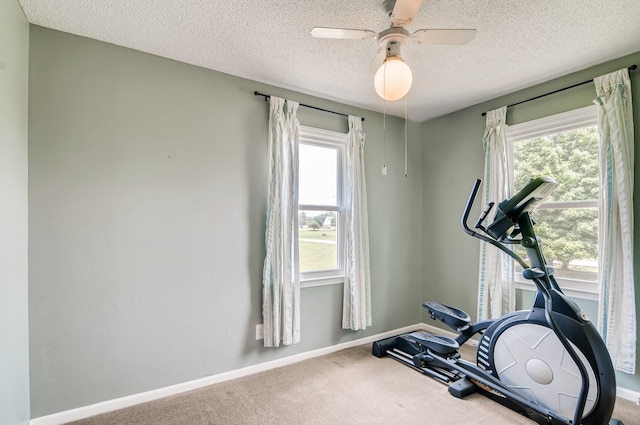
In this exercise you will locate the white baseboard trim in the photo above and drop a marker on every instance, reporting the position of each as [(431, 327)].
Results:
[(132, 400), (630, 395)]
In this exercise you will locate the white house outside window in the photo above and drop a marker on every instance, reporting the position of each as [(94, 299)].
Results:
[(321, 206), (564, 147)]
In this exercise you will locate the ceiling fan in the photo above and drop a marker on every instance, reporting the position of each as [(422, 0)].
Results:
[(393, 78)]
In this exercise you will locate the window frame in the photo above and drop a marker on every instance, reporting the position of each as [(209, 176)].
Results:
[(328, 139), (553, 124)]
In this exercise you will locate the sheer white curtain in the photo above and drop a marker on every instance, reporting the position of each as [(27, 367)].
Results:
[(496, 292), (617, 310), (357, 283), (280, 280)]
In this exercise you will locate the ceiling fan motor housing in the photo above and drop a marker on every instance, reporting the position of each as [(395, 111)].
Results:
[(391, 40)]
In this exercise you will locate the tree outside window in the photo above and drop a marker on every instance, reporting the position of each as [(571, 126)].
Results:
[(568, 222)]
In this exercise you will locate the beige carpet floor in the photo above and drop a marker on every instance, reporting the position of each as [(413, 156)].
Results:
[(347, 387)]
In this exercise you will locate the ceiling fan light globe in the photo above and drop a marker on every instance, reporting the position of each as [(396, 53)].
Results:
[(393, 79)]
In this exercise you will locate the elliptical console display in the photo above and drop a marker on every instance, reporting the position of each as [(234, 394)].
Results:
[(548, 363)]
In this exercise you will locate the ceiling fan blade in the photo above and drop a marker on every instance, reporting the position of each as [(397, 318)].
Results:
[(458, 37), (342, 33), (404, 11)]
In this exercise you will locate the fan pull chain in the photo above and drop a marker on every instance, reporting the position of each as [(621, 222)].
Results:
[(406, 172), (384, 124)]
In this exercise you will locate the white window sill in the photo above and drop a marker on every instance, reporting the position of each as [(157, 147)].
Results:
[(580, 294), (321, 281)]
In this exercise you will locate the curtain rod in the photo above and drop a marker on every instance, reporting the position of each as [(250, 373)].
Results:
[(267, 96), (631, 68)]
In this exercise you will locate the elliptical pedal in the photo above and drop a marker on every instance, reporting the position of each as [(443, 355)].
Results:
[(450, 316), (437, 343)]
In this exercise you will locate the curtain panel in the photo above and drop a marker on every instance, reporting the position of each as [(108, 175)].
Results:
[(496, 290), (280, 279), (617, 310), (357, 282)]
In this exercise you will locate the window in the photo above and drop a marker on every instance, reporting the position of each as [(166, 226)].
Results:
[(321, 206), (564, 147)]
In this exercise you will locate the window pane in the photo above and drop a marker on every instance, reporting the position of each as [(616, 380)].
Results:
[(570, 158), (570, 241), (318, 182), (569, 234), (318, 241)]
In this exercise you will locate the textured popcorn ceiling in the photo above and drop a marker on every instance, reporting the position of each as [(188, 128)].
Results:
[(519, 42)]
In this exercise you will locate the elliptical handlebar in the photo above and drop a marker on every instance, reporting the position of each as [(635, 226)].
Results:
[(471, 232), (467, 209)]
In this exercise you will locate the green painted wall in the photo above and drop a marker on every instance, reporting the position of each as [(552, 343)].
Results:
[(453, 159), (14, 330), (147, 192)]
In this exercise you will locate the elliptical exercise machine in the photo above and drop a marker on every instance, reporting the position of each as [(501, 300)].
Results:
[(548, 363)]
